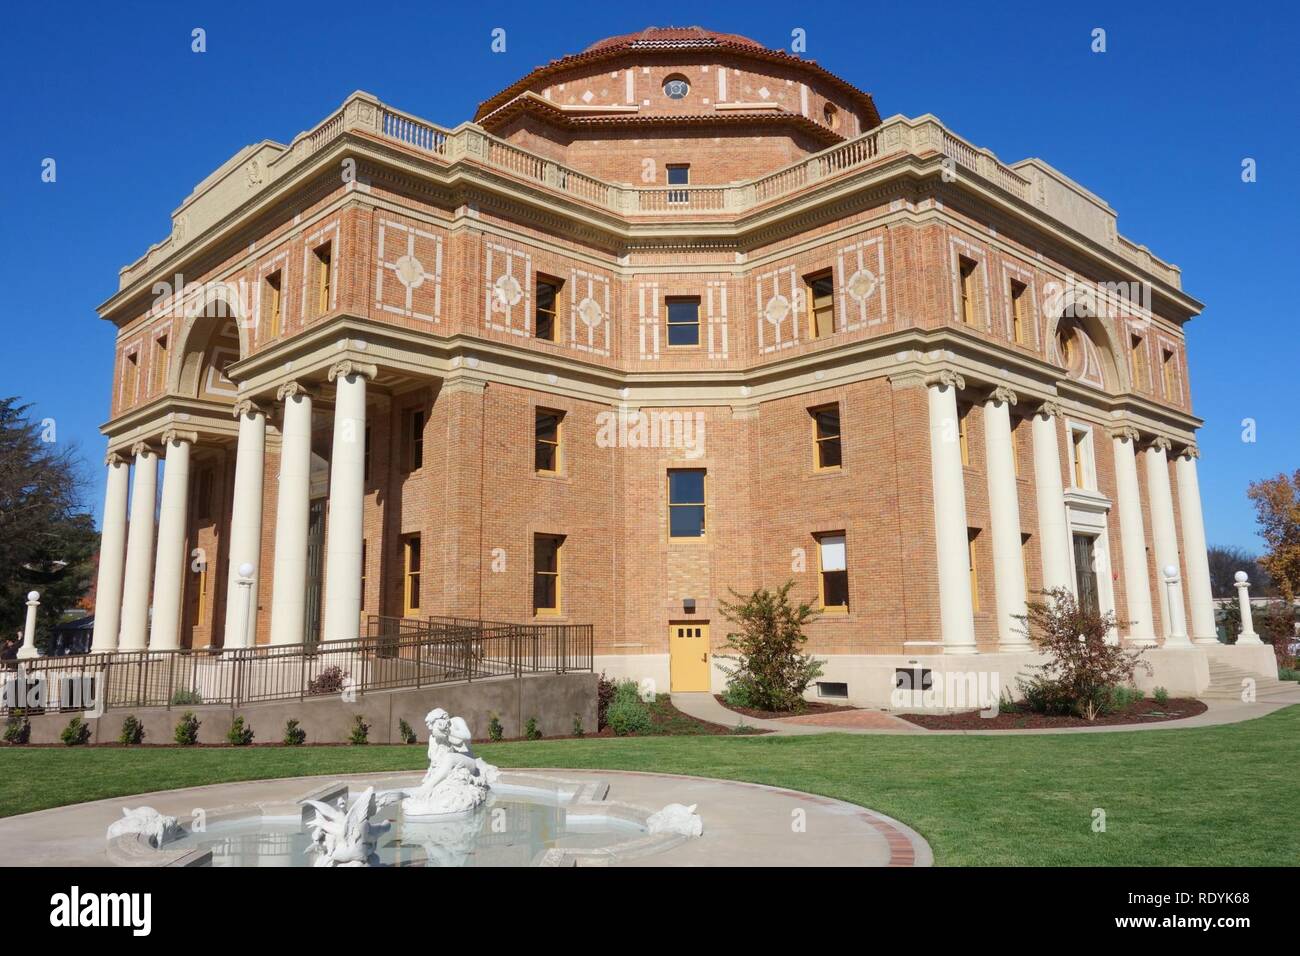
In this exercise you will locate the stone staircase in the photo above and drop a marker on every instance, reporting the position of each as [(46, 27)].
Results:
[(1226, 684)]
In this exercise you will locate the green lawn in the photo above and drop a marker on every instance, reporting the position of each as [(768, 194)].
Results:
[(1213, 796)]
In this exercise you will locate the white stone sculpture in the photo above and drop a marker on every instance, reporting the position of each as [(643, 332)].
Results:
[(676, 818), (456, 781), (343, 836), (147, 822)]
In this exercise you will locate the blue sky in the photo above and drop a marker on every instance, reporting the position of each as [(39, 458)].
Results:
[(1158, 125)]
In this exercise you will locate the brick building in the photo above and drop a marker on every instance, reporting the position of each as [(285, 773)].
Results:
[(672, 315)]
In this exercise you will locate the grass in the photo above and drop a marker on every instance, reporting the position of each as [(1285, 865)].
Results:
[(1206, 796)]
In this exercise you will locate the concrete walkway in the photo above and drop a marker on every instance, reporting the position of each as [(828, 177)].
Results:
[(706, 707)]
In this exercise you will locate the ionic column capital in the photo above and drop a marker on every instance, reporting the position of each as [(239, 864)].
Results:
[(115, 458), (292, 390), (1126, 433), (1003, 395), (176, 435), (349, 367), (142, 448), (946, 378), (1189, 451), (1050, 409), (1161, 443), (247, 406)]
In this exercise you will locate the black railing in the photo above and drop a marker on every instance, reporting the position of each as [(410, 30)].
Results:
[(394, 653)]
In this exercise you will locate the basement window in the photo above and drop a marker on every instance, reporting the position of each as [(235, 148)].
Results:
[(837, 690)]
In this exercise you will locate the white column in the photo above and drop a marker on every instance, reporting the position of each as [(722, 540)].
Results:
[(956, 618), (1004, 518), (28, 650), (292, 512), (347, 489), (246, 516), (169, 568), (1053, 532), (1165, 536), (1177, 620), (1133, 539), (139, 551), (1247, 635), (112, 557), (1199, 595)]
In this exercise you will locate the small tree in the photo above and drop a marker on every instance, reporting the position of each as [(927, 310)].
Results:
[(132, 731), (294, 735), (1277, 509), (767, 651), (1081, 666)]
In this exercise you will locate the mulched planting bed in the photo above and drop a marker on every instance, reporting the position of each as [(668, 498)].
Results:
[(1143, 712), (809, 707)]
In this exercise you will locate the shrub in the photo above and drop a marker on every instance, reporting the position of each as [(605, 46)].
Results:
[(1160, 696), (495, 730), (604, 697), (187, 729), (18, 729), (1080, 664), (328, 681), (293, 734), (132, 731), (577, 726), (239, 735), (360, 731), (1288, 673), (531, 731), (186, 698), (626, 692), (405, 732), (76, 733), (629, 716), (1045, 696), (767, 651), (737, 695)]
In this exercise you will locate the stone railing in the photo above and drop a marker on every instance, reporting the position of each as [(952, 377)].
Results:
[(897, 136)]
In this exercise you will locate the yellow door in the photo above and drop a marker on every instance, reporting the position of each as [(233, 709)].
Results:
[(688, 648)]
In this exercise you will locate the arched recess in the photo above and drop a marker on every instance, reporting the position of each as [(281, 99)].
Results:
[(1098, 361), (214, 336)]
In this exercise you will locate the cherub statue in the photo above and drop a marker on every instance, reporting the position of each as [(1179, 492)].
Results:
[(456, 781), (345, 837)]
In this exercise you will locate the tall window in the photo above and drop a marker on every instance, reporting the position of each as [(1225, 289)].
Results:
[(546, 573), (546, 441), (201, 595), (160, 364), (274, 306), (683, 321), (966, 277), (1081, 455), (1018, 312), (324, 277), (365, 456), (1169, 372), (130, 376), (972, 535), (415, 439), (1138, 354), (833, 573), (548, 306), (963, 432), (1024, 560), (820, 290), (679, 174), (411, 576), (363, 574), (686, 502), (1015, 445), (826, 436)]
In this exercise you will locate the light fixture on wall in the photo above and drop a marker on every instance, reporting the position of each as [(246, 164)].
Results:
[(688, 605)]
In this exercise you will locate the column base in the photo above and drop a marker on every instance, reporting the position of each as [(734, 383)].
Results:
[(1143, 641), (1016, 648), (960, 649), (27, 653), (1252, 639), (1205, 640)]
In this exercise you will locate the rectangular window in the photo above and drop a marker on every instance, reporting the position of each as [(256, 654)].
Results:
[(1018, 312), (363, 574), (820, 290), (201, 597), (679, 174), (411, 575), (1082, 467), (826, 437), (1024, 560), (415, 439), (1015, 445), (966, 268), (833, 573), (324, 277), (1139, 362), (160, 364), (365, 457), (274, 309), (683, 321), (1168, 372), (130, 376), (971, 535), (686, 502), (546, 573), (963, 432), (546, 441), (548, 306)]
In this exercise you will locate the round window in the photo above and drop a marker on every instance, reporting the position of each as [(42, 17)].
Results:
[(676, 87)]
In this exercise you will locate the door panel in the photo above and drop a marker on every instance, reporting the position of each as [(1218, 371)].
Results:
[(1085, 573), (688, 650)]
